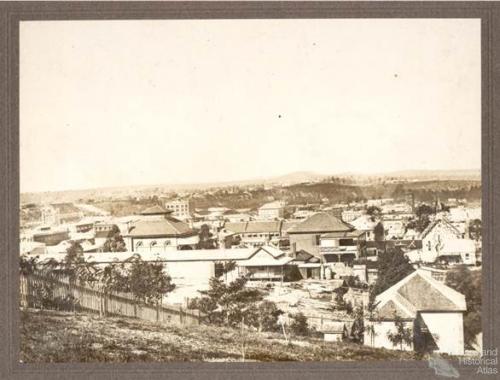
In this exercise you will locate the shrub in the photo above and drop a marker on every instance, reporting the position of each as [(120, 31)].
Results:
[(298, 324)]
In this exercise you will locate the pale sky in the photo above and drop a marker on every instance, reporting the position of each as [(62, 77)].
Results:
[(116, 103)]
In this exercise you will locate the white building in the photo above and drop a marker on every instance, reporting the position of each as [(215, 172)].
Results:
[(393, 228), (272, 210), (431, 310), (180, 209), (365, 224), (60, 213), (441, 241), (350, 215)]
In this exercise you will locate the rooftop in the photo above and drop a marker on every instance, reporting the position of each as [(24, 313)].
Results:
[(254, 227), (321, 222), (160, 227), (418, 292), (155, 210)]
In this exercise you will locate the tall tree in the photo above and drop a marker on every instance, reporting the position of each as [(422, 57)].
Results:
[(379, 232), (206, 240), (393, 266)]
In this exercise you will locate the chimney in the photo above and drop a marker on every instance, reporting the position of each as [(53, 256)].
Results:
[(294, 250)]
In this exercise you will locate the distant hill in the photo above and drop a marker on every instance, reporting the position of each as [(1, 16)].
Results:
[(287, 179), (465, 175)]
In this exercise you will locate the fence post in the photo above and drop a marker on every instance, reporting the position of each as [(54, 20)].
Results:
[(180, 315), (105, 296), (24, 291)]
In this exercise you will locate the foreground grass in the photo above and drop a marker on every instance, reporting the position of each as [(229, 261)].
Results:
[(64, 337)]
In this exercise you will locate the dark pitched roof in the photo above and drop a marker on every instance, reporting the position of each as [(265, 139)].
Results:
[(321, 222), (155, 210), (161, 227), (418, 292), (253, 227), (423, 296), (303, 256)]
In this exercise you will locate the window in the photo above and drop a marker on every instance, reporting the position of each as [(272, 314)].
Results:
[(428, 245), (219, 270), (166, 243), (318, 238), (153, 243), (138, 244)]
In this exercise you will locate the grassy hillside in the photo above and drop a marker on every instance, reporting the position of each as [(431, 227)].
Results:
[(63, 337)]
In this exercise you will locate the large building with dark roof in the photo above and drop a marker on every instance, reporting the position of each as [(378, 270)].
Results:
[(157, 231), (307, 234)]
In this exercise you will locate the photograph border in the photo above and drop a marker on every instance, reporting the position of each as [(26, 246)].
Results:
[(12, 13)]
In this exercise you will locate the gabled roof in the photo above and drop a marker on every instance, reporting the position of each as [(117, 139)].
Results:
[(321, 222), (433, 224), (273, 251), (160, 227), (289, 224), (418, 292), (254, 227)]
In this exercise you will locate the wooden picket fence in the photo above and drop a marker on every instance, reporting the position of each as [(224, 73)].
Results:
[(87, 298)]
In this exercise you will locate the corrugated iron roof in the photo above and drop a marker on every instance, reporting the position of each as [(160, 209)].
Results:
[(321, 222)]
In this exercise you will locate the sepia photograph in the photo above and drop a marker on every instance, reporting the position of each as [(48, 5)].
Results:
[(252, 190)]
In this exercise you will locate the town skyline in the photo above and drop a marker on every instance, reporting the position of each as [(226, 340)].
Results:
[(297, 177), (203, 101)]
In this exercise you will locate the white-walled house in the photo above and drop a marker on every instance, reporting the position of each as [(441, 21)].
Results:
[(444, 243), (432, 310), (273, 210)]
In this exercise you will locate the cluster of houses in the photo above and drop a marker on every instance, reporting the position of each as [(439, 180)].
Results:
[(322, 244)]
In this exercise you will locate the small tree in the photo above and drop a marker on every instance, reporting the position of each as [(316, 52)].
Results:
[(379, 232), (114, 242), (267, 316), (298, 324), (226, 304), (402, 334), (475, 229), (227, 267), (206, 240), (374, 212), (148, 282), (358, 326)]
